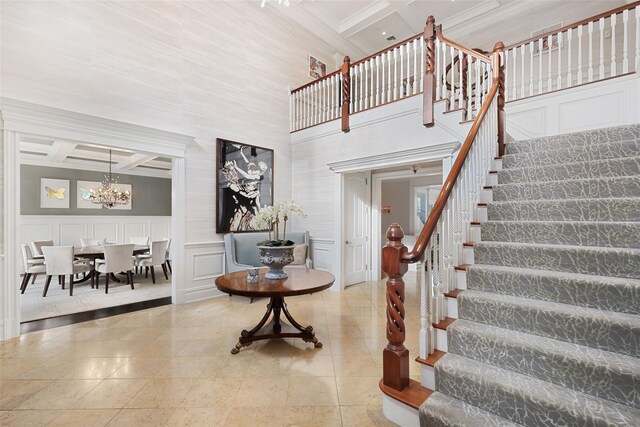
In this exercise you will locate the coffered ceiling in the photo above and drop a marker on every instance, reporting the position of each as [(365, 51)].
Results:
[(359, 28)]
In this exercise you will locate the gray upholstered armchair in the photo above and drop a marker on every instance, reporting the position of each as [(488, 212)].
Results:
[(242, 253)]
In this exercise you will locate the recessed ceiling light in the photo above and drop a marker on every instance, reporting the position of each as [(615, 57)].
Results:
[(384, 33)]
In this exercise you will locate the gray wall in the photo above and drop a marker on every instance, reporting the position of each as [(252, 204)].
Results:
[(396, 194), (150, 196)]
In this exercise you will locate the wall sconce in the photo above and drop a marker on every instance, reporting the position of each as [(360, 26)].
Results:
[(385, 209)]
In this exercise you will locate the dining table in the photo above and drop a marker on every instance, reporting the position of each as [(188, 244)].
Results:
[(97, 252)]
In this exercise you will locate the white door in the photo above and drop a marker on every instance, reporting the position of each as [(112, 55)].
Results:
[(357, 223)]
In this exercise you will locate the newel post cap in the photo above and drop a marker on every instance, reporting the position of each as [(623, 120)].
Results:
[(346, 60), (498, 47), (392, 252)]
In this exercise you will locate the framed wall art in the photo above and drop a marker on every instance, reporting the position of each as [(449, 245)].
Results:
[(245, 184), (54, 193), (83, 190), (317, 68)]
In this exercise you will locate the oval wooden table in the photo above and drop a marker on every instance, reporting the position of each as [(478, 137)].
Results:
[(301, 281)]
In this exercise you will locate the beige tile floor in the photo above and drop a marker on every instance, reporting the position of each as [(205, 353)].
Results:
[(171, 366)]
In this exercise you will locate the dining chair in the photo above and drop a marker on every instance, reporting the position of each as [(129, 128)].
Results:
[(92, 242), (58, 261), (139, 241), (167, 258), (36, 246), (117, 258), (158, 257), (31, 266)]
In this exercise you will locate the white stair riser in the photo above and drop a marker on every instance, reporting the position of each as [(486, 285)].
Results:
[(461, 279), (482, 214), (496, 164), (441, 340), (492, 179), (486, 195), (428, 377), (399, 413), (452, 307), (468, 255), (475, 233)]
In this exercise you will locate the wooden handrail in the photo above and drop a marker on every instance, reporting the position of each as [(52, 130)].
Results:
[(405, 41), (576, 24), (468, 51), (416, 253), (298, 89)]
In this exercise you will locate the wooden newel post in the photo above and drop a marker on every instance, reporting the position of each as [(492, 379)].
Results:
[(498, 73), (395, 356), (346, 93), (429, 92)]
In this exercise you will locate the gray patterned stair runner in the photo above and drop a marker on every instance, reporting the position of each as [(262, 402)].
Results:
[(548, 330)]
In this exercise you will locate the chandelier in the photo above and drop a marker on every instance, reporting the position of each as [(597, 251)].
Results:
[(108, 195)]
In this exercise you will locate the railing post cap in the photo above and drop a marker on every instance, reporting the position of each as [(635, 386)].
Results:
[(499, 47), (431, 20), (346, 59), (395, 233)]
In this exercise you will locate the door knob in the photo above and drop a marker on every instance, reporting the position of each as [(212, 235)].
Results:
[(347, 242)]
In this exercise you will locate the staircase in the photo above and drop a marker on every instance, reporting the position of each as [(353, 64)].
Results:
[(548, 329)]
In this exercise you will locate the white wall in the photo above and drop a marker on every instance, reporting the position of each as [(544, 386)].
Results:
[(207, 69), (385, 135)]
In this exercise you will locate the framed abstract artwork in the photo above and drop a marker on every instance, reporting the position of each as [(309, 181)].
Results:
[(245, 184), (317, 68), (54, 193)]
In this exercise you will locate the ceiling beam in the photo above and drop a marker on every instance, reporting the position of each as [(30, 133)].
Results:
[(133, 161), (60, 150)]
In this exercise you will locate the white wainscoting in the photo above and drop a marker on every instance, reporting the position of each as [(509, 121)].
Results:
[(204, 261), (69, 229), (607, 103)]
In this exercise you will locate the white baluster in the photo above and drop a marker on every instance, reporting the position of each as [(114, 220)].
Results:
[(395, 74), (378, 60), (569, 76), (361, 82), (366, 84), (531, 47), (614, 71), (580, 55), (372, 77), (625, 42), (522, 49), (549, 81), (352, 82), (590, 64), (601, 63), (460, 80), (452, 69), (401, 83), (469, 93), (415, 66), (514, 58), (476, 105), (326, 103), (438, 70), (540, 53), (339, 84), (421, 64), (637, 11), (356, 91), (390, 87), (559, 59), (443, 71), (383, 92)]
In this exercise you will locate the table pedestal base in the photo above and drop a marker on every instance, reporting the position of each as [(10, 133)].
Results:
[(274, 329)]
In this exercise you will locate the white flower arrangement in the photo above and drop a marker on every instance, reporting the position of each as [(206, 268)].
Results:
[(269, 217)]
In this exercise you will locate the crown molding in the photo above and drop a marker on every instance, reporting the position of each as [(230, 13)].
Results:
[(28, 118)]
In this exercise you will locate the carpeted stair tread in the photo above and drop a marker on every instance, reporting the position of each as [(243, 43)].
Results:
[(600, 292), (596, 372), (604, 330), (575, 139), (602, 151), (601, 261), (616, 209), (592, 188), (440, 410), (607, 168), (620, 234), (526, 400)]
